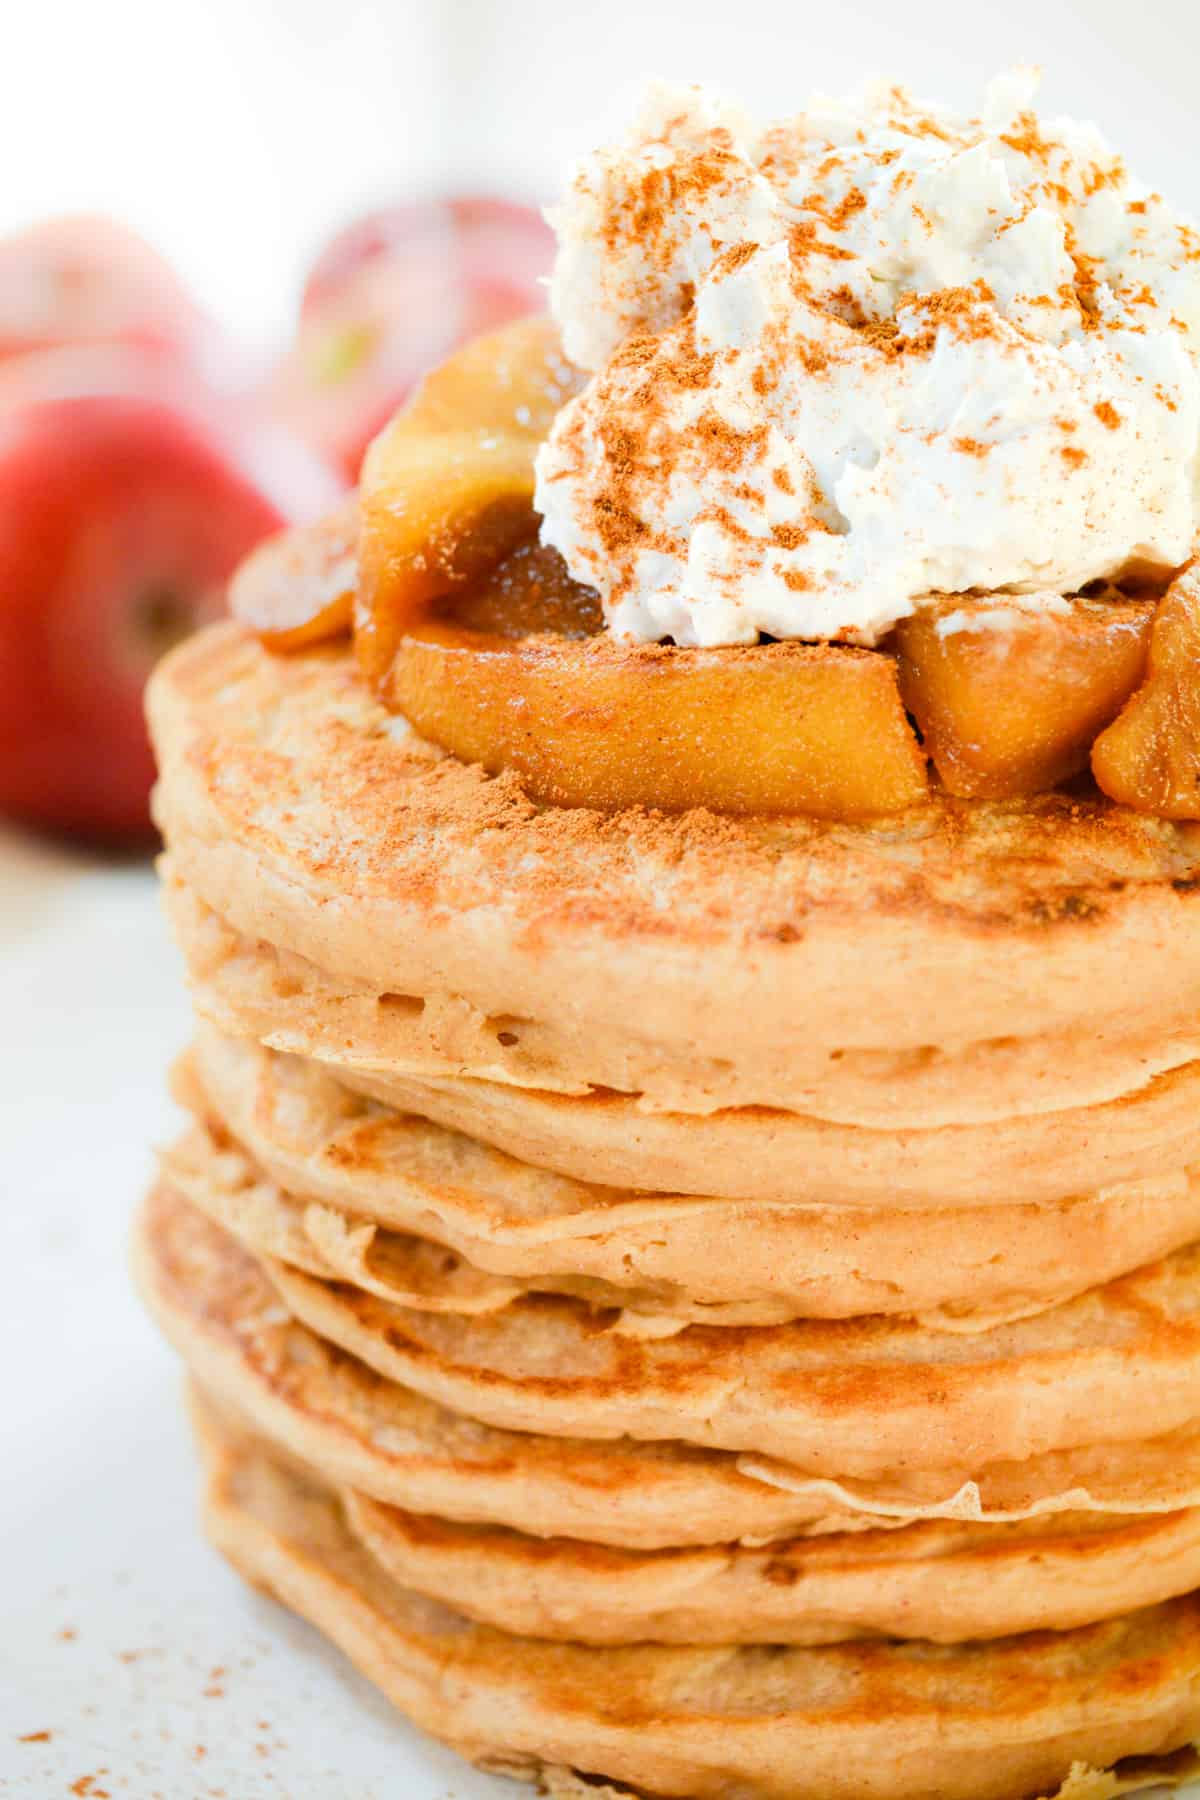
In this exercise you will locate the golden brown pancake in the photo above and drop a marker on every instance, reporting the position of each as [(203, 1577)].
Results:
[(982, 1722), (856, 1397), (748, 1153), (216, 1306), (251, 988), (941, 1581), (304, 815), (340, 1151)]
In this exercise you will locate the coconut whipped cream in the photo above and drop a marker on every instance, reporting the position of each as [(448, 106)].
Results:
[(867, 355)]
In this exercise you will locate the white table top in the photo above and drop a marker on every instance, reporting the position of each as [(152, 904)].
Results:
[(133, 1663)]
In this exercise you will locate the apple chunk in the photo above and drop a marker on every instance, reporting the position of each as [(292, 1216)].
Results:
[(298, 588), (784, 728), (447, 488), (1149, 758), (1010, 699)]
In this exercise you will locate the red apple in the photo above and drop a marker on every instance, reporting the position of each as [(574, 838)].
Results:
[(391, 296), (127, 497), (86, 279)]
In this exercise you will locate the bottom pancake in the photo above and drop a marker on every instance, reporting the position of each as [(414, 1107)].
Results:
[(884, 1721)]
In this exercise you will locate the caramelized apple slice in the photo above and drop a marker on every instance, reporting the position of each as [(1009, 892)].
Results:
[(529, 592), (447, 487), (1009, 700), (779, 729), (511, 381), (1149, 758), (298, 587)]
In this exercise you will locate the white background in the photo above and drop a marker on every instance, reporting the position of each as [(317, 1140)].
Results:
[(236, 133)]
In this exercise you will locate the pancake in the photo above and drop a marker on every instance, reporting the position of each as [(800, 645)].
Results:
[(305, 815), (817, 1392), (854, 1397), (209, 1170), (213, 1174), (411, 1271), (750, 1153), (215, 1305), (985, 1722), (940, 1581), (251, 988), (957, 1268)]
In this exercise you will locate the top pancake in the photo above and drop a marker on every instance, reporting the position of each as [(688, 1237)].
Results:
[(306, 816)]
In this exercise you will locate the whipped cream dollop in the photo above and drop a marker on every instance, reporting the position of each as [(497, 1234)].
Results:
[(865, 356)]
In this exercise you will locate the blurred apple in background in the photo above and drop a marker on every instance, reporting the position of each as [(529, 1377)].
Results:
[(128, 494), (392, 295), (83, 278), (140, 459)]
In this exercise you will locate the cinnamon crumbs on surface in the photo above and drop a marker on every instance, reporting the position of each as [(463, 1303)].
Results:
[(835, 217), (733, 259), (1107, 414), (804, 242), (726, 445), (1027, 140), (881, 334)]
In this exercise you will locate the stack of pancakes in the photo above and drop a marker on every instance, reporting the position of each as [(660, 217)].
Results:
[(707, 1305)]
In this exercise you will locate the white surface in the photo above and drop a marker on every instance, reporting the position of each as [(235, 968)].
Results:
[(121, 1633), (238, 133)]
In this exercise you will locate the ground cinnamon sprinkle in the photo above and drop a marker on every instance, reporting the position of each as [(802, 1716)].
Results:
[(803, 242), (35, 1737), (881, 334), (1072, 454), (961, 309), (971, 446), (726, 445), (836, 217), (1099, 176), (720, 515), (636, 351), (1027, 140), (736, 258), (1107, 414)]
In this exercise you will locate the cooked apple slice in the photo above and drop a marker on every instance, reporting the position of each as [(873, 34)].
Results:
[(447, 487), (1008, 700), (529, 592), (1149, 758), (512, 381), (298, 587), (785, 728)]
